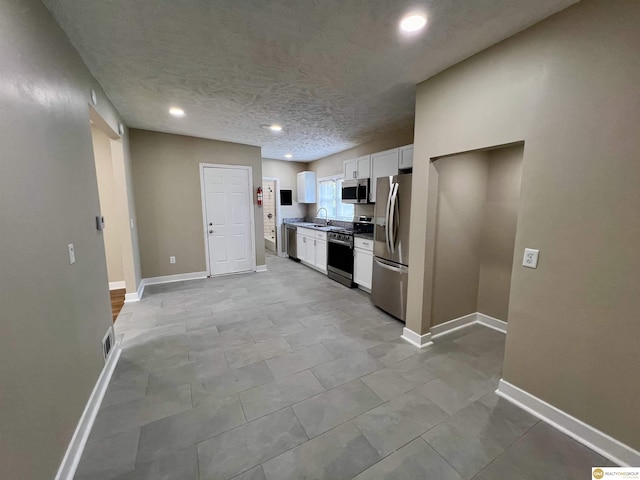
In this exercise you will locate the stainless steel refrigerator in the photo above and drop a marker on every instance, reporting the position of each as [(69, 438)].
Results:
[(391, 247)]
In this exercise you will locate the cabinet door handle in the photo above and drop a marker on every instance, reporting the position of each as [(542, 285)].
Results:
[(314, 243)]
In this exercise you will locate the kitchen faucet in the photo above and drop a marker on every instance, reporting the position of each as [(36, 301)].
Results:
[(326, 214)]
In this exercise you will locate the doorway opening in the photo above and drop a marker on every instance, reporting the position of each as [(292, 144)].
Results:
[(478, 200), (108, 157), (228, 218), (271, 213)]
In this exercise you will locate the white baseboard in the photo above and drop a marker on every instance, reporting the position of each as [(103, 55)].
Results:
[(453, 325), (491, 322), (589, 436), (180, 277), (117, 285), (136, 296), (465, 321), (69, 465), (261, 268), (413, 338)]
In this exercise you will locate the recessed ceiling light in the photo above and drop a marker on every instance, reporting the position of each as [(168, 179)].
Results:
[(275, 128), (413, 23), (288, 155), (176, 112)]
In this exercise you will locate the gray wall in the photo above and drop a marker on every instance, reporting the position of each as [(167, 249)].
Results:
[(568, 88), (166, 176), (54, 315)]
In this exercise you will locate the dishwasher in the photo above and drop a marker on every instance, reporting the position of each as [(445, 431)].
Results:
[(292, 242)]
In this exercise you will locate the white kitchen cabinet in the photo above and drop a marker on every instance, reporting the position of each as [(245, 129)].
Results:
[(350, 169), (383, 164), (312, 248), (357, 168), (362, 267), (406, 157), (301, 247), (321, 255), (307, 187)]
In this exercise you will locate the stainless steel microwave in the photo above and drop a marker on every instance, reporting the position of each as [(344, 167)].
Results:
[(355, 191)]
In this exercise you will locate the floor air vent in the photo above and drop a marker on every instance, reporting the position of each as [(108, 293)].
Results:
[(107, 343)]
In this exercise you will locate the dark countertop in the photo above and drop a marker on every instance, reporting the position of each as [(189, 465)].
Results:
[(368, 236)]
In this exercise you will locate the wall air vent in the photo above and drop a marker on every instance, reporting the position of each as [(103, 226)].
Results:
[(107, 343)]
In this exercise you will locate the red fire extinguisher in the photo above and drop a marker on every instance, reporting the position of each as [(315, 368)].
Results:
[(259, 196)]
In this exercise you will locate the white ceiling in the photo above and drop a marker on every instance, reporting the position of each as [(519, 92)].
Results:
[(333, 73)]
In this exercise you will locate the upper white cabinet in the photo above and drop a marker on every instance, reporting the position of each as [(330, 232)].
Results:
[(383, 164), (307, 187), (357, 168), (406, 157)]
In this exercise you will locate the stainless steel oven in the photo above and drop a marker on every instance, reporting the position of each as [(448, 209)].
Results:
[(340, 257), (355, 191)]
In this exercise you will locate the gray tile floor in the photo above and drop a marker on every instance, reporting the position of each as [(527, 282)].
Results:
[(289, 375)]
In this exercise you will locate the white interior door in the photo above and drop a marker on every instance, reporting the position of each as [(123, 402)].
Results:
[(228, 220)]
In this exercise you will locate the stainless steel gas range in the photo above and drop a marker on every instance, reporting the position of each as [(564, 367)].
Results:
[(340, 256), (340, 252)]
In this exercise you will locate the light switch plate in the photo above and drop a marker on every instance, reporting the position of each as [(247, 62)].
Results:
[(530, 259), (172, 259), (72, 254)]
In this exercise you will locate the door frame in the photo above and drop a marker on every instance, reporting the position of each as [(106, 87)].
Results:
[(203, 199), (279, 239)]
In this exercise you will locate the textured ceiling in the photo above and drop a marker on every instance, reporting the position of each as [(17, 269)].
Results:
[(333, 73)]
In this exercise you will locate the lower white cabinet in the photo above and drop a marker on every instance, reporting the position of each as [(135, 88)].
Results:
[(363, 262), (312, 248)]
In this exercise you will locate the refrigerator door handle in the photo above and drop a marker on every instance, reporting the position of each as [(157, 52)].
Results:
[(387, 211), (393, 209), (389, 267)]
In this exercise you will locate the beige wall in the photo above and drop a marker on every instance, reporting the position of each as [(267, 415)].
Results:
[(499, 230), (568, 88), (108, 205), (333, 164), (462, 181), (478, 196), (286, 172), (166, 178), (54, 314)]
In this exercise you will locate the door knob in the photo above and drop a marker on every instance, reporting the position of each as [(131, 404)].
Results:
[(210, 231)]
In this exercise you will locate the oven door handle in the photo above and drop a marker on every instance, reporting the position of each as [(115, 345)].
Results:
[(340, 242)]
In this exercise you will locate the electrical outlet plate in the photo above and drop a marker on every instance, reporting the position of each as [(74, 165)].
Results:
[(172, 259), (530, 259)]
